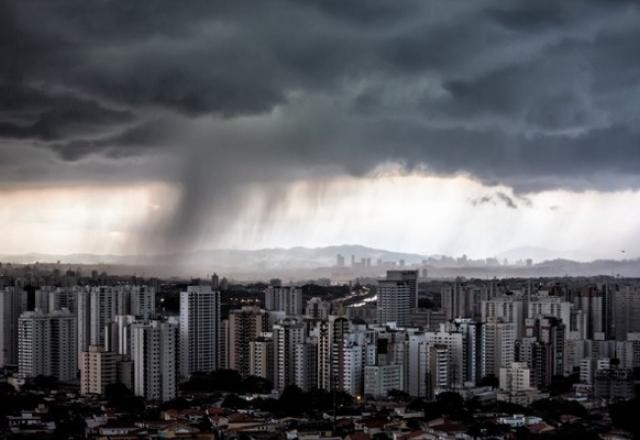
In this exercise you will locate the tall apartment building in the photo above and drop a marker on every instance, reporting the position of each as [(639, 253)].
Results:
[(143, 302), (454, 342), (261, 357), (352, 367), (199, 330), (548, 354), (552, 306), (98, 368), (155, 356), (47, 344), (83, 315), (244, 325), (339, 331), (498, 346), (415, 364), (102, 309), (41, 298), (509, 309), (397, 296), (439, 370), (64, 298), (306, 364), (286, 299), (380, 379), (462, 300), (13, 302), (318, 308), (626, 310), (418, 361), (324, 355), (472, 337), (122, 299), (287, 334), (515, 378), (591, 302), (118, 334)]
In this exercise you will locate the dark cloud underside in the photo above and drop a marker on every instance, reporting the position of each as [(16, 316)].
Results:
[(532, 95)]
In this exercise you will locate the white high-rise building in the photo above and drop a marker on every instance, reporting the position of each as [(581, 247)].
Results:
[(472, 336), (397, 296), (544, 305), (515, 378), (419, 376), (353, 367), (199, 330), (286, 299), (508, 308), (155, 355), (454, 342), (287, 334), (13, 302), (118, 335), (439, 370), (380, 379), (46, 344), (462, 300)]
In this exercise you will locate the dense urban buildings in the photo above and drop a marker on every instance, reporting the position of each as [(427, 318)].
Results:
[(501, 341)]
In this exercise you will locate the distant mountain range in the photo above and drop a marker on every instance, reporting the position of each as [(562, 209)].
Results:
[(227, 258), (302, 262)]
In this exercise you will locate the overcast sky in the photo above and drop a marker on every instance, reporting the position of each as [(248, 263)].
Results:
[(429, 126)]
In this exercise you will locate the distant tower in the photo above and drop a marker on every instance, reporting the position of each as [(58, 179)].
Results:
[(340, 260), (215, 282)]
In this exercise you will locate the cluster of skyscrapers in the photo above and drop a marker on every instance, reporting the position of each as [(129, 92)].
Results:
[(521, 338)]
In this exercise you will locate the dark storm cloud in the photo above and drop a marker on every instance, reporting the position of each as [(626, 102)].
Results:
[(531, 95), (495, 199)]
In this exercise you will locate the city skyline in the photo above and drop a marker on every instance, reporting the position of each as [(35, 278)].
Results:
[(320, 219)]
